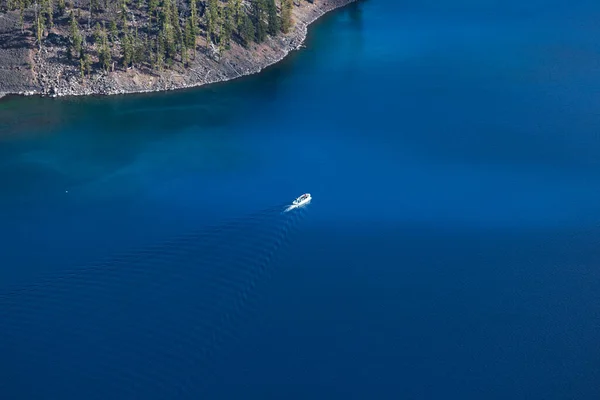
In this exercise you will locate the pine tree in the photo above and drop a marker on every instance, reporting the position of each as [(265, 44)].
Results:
[(212, 20), (138, 49), (22, 15), (274, 25), (127, 43), (153, 9), (103, 50), (222, 45), (190, 38), (114, 32), (48, 8), (286, 15), (104, 57), (194, 18), (238, 14), (160, 53), (247, 30), (76, 39), (191, 28), (175, 21), (227, 28), (39, 24), (97, 34), (124, 12), (84, 63), (169, 40), (148, 51), (167, 31), (259, 9), (184, 54)]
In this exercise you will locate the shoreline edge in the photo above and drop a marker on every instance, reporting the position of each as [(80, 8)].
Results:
[(62, 80)]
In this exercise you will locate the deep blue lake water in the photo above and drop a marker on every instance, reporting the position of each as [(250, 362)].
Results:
[(452, 248)]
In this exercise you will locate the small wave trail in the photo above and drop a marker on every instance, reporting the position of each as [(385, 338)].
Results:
[(293, 207), (147, 324)]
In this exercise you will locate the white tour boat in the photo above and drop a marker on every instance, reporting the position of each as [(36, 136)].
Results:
[(300, 201)]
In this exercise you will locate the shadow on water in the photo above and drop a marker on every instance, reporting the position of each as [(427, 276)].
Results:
[(356, 25), (149, 323), (210, 106), (355, 11)]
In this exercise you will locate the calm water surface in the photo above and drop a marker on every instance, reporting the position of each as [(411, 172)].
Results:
[(452, 247)]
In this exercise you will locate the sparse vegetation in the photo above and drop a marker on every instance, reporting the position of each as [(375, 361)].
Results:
[(156, 34)]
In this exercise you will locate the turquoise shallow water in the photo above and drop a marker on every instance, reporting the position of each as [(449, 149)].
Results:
[(451, 248)]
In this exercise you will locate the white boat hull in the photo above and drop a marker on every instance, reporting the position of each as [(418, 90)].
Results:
[(298, 205)]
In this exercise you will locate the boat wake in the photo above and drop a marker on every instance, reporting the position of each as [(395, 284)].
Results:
[(300, 202), (151, 324)]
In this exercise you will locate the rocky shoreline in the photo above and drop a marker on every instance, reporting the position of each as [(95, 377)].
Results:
[(52, 77)]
